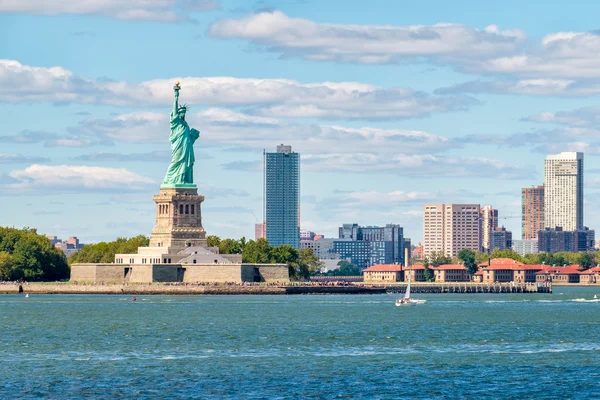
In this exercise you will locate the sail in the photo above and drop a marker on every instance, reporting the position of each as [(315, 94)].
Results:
[(407, 293)]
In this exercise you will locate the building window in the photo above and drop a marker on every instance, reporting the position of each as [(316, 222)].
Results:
[(181, 209), (192, 209), (187, 209)]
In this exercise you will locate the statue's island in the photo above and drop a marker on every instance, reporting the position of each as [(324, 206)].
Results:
[(178, 250)]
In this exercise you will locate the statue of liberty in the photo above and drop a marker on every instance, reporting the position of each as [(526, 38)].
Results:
[(182, 138)]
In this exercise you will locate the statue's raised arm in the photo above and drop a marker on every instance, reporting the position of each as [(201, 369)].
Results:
[(176, 89)]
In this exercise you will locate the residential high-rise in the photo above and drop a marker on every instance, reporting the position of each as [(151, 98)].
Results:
[(563, 191), (555, 240), (500, 239), (489, 222), (532, 212), (450, 228), (282, 197), (384, 244)]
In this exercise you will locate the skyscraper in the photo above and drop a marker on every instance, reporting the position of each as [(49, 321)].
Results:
[(450, 228), (532, 212), (563, 191), (282, 197), (489, 222)]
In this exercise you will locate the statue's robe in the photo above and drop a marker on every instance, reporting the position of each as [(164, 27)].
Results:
[(181, 169)]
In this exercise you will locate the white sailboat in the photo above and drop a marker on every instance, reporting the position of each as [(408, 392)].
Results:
[(406, 300)]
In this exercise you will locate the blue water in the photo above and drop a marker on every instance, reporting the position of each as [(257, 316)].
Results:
[(253, 347)]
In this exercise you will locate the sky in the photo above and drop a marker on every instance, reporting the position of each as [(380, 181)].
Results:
[(391, 105)]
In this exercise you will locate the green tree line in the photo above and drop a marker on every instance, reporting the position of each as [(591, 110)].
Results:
[(104, 252), (302, 262), (26, 255)]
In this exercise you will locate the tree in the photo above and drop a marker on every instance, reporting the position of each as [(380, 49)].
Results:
[(308, 263), (213, 241), (345, 268), (26, 255), (104, 252), (428, 272), (585, 259), (5, 266), (286, 254), (257, 252), (230, 246), (506, 253), (467, 256), (437, 258)]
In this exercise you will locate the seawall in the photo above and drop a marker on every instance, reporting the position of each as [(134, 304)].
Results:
[(58, 288), (194, 289)]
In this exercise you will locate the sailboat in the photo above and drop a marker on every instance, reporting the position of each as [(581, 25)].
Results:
[(406, 300)]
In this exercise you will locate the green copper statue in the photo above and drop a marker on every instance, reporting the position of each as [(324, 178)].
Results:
[(181, 169)]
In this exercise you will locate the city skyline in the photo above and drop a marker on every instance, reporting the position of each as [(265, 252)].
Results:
[(424, 119)]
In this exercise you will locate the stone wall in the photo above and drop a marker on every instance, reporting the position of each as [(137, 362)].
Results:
[(84, 272), (273, 272), (147, 273), (165, 273), (212, 273)]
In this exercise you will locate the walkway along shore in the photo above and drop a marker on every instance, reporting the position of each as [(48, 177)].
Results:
[(231, 289)]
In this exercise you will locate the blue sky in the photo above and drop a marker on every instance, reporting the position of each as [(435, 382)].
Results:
[(391, 104)]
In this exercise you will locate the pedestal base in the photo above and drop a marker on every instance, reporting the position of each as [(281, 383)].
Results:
[(178, 218)]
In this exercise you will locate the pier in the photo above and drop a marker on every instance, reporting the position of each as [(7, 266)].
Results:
[(468, 287)]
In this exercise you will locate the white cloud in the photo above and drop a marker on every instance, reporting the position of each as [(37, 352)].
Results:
[(222, 127), (50, 139), (580, 117), (417, 165), (262, 97), (75, 177), (18, 158), (140, 10), (388, 198), (526, 87), (368, 44)]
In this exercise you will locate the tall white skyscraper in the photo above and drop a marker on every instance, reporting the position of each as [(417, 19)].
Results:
[(449, 228), (563, 191)]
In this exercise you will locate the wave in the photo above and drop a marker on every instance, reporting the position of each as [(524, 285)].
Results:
[(582, 300)]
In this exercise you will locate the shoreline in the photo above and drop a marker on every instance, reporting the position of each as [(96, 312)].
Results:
[(291, 289)]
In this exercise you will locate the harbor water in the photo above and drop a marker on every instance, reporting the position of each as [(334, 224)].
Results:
[(310, 346)]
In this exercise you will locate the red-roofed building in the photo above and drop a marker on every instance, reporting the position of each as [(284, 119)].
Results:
[(568, 274), (451, 273), (590, 276), (507, 270), (416, 273), (383, 273)]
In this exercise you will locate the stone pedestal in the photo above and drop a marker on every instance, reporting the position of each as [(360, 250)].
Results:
[(178, 218)]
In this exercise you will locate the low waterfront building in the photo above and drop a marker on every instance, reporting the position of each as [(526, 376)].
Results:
[(568, 274), (383, 273), (590, 276), (451, 273), (416, 273), (507, 270)]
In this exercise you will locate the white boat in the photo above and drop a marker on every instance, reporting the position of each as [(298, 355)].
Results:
[(406, 300), (27, 295)]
